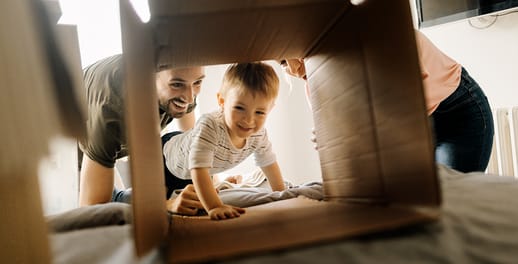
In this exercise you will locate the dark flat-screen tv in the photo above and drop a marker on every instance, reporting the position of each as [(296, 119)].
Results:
[(435, 12)]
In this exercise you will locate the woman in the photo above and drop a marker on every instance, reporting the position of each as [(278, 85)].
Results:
[(461, 115)]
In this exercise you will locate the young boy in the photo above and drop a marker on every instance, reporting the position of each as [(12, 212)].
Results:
[(221, 140)]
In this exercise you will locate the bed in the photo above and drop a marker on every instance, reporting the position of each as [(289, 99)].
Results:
[(478, 224)]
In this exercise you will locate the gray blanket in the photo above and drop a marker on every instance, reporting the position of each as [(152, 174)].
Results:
[(246, 197)]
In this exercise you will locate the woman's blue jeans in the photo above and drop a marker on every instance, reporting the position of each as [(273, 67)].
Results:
[(464, 129)]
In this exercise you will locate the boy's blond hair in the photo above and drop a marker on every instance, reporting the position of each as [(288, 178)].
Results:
[(255, 77)]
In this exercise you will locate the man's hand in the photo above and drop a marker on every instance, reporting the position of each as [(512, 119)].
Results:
[(225, 212), (186, 203)]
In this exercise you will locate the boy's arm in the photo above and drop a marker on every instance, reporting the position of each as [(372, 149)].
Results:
[(273, 173), (209, 197), (205, 188)]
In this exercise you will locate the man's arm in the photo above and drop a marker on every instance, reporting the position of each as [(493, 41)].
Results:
[(186, 203), (96, 183), (187, 121)]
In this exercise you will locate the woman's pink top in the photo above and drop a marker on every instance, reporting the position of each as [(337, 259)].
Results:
[(441, 74)]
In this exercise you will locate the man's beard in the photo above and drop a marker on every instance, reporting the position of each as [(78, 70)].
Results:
[(171, 109), (171, 106)]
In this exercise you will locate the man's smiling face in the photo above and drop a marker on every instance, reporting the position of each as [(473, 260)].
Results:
[(178, 88)]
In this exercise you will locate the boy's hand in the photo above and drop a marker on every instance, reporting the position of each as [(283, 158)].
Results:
[(225, 212)]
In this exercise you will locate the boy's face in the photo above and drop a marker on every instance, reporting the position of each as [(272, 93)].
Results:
[(244, 113), (177, 89)]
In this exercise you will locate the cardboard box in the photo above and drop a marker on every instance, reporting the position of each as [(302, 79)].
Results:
[(375, 143), (32, 70)]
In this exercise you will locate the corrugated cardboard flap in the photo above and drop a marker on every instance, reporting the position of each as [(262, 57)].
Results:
[(206, 32), (281, 224)]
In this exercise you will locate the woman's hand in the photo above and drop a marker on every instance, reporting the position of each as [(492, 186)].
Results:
[(314, 139), (294, 67)]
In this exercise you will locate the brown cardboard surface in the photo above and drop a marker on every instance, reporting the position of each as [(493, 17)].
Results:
[(143, 134), (368, 104), (207, 32), (25, 134), (72, 100), (23, 232), (287, 223), (371, 126)]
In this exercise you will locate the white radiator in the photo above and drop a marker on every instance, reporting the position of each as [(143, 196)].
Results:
[(504, 155)]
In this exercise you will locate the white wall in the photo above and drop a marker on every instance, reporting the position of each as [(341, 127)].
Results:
[(58, 176), (98, 27)]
